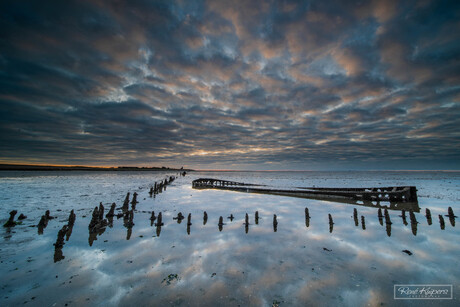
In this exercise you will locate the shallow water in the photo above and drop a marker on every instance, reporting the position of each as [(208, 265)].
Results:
[(294, 266)]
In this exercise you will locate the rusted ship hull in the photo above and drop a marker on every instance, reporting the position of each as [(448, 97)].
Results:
[(404, 197)]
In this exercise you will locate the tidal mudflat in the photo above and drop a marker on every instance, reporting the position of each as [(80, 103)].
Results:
[(192, 260)]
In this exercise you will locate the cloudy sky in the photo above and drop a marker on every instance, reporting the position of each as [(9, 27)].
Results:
[(299, 85)]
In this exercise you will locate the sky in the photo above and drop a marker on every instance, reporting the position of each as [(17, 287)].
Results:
[(256, 85)]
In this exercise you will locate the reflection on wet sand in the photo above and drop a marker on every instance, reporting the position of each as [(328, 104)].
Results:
[(152, 218), (388, 229), (403, 216), (355, 216), (414, 228)]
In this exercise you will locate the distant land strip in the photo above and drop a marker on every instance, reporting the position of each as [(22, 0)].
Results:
[(25, 167)]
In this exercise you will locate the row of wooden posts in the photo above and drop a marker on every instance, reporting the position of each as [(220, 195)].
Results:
[(98, 223)]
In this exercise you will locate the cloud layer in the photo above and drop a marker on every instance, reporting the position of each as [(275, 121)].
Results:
[(241, 84)]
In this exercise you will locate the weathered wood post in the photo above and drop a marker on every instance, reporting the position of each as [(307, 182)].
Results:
[(451, 216), (205, 218), (257, 218), (363, 222), (331, 224), (111, 212), (42, 224), (134, 201), (101, 211), (126, 202), (355, 216), (221, 223), (307, 217), (189, 219), (441, 222), (179, 217), (428, 216), (159, 220), (60, 237), (275, 223), (11, 222)]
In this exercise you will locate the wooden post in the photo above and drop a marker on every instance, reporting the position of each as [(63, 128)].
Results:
[(441, 222), (428, 216)]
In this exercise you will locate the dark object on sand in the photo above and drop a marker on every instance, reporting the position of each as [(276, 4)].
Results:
[(331, 224), (256, 218), (205, 218), (407, 252), (451, 216), (363, 222), (129, 219), (126, 202), (11, 222), (72, 218), (111, 212), (134, 201), (159, 220), (60, 237), (42, 224), (48, 216), (275, 223), (231, 217), (307, 217), (428, 216), (21, 217), (355, 216), (179, 217), (327, 249), (221, 223), (441, 222), (246, 220), (189, 219), (451, 213)]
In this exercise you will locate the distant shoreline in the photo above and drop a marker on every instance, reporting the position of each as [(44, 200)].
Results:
[(25, 167)]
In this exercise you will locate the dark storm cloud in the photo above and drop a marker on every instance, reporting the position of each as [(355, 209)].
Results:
[(216, 84)]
